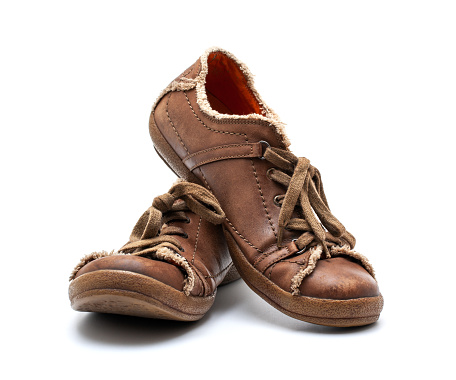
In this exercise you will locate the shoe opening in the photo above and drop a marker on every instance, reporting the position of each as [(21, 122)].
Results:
[(226, 87)]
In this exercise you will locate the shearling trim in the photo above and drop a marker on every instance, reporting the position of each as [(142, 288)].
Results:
[(345, 250), (303, 272), (185, 84), (163, 253), (166, 254), (91, 257), (201, 97)]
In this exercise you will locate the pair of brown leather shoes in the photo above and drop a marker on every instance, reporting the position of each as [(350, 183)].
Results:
[(245, 199)]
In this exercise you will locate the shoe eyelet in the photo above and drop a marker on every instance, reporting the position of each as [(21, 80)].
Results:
[(182, 249), (187, 220), (300, 250), (276, 201), (185, 236), (266, 146), (268, 173)]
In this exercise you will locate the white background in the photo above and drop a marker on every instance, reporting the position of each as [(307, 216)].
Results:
[(368, 92)]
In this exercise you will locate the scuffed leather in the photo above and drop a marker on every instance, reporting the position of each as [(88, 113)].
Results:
[(246, 194), (205, 249)]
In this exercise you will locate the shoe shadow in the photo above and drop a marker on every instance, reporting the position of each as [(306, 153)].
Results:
[(261, 310), (113, 329), (228, 297), (278, 319)]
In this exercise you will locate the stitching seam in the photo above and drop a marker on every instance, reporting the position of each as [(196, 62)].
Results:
[(218, 159), (263, 200), (209, 128), (260, 259), (219, 273), (242, 237), (172, 125), (196, 241), (299, 262), (189, 71), (272, 268), (215, 148), (205, 180)]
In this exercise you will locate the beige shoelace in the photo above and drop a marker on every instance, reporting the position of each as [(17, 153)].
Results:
[(304, 189), (152, 231)]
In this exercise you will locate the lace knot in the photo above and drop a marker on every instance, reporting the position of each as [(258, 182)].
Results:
[(305, 190), (164, 202)]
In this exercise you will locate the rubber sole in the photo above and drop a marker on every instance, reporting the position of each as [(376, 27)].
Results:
[(128, 293), (327, 312)]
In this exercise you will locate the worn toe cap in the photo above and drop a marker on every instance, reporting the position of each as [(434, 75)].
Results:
[(339, 278), (159, 270)]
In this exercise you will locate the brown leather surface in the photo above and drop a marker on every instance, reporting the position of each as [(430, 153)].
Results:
[(204, 248), (246, 193), (159, 270), (339, 278), (224, 152)]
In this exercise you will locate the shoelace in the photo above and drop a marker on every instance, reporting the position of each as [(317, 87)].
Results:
[(304, 189), (152, 231)]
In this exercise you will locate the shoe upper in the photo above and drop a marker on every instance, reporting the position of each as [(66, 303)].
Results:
[(178, 241), (276, 211)]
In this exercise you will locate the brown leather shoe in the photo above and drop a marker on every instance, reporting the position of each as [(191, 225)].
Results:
[(212, 128), (170, 268)]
